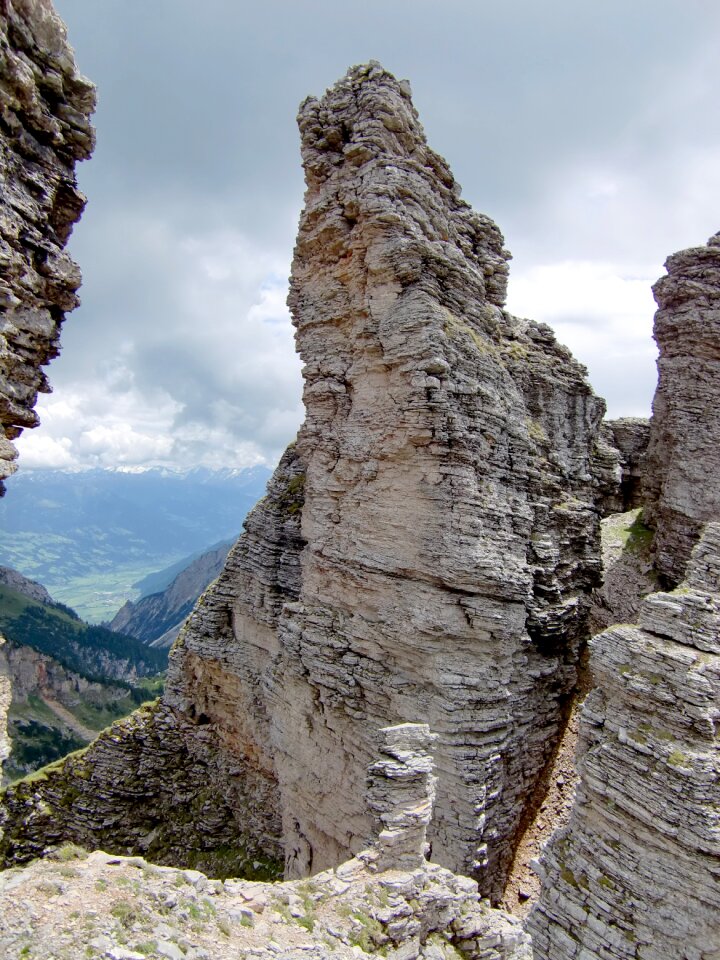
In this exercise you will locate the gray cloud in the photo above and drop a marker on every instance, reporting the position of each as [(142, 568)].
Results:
[(589, 132)]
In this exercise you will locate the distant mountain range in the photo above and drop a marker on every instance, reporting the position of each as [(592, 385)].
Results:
[(93, 537)]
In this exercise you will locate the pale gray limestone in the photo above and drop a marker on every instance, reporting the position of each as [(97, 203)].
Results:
[(637, 871), (681, 488)]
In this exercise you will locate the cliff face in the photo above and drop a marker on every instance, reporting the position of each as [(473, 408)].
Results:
[(636, 871), (448, 510), (388, 902), (45, 107), (424, 553), (682, 458)]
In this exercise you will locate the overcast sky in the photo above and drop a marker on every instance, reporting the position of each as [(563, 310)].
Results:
[(590, 132)]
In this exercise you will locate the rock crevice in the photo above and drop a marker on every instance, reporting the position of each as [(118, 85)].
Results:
[(635, 873)]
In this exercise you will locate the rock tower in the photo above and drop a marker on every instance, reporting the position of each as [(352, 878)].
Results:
[(680, 485), (424, 553)]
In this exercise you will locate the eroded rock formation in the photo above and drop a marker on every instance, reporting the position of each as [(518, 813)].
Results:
[(630, 436), (388, 902), (636, 873), (425, 551), (5, 698), (448, 509), (45, 107), (680, 491)]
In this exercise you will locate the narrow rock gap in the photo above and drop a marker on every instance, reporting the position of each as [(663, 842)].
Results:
[(551, 802)]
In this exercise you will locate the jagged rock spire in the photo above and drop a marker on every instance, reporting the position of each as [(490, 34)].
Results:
[(635, 874), (682, 468)]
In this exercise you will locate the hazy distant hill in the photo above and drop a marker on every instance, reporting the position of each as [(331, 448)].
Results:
[(90, 536), (157, 617)]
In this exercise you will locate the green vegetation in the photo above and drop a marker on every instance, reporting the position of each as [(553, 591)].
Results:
[(92, 652)]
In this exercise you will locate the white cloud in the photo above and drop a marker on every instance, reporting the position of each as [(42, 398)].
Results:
[(604, 313)]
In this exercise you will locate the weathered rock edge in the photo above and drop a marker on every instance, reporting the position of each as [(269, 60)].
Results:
[(680, 489), (637, 870), (388, 902), (45, 109), (426, 549)]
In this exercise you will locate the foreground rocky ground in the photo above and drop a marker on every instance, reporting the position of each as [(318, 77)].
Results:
[(123, 908)]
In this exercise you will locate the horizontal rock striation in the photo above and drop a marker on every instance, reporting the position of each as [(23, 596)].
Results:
[(630, 436), (140, 787), (681, 489), (427, 547), (449, 510), (637, 871), (45, 107), (389, 902)]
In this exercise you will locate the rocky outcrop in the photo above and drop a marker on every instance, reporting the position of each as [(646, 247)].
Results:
[(426, 549), (157, 618), (635, 874), (630, 436), (388, 902), (5, 700), (45, 107), (681, 491), (449, 511), (28, 588), (139, 788)]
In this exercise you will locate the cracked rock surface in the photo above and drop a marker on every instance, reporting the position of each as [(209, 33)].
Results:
[(45, 106), (681, 489), (636, 872), (427, 547)]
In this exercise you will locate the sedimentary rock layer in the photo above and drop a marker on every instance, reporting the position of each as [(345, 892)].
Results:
[(140, 788), (637, 871), (45, 107), (630, 436), (426, 549), (449, 509), (388, 902), (681, 489)]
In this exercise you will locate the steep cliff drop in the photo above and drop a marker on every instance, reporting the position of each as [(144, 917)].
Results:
[(45, 107), (635, 874), (683, 454), (424, 553)]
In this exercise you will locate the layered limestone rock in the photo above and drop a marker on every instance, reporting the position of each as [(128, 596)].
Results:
[(630, 436), (449, 511), (388, 902), (637, 871), (5, 700), (45, 129), (426, 549), (681, 488), (139, 788)]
